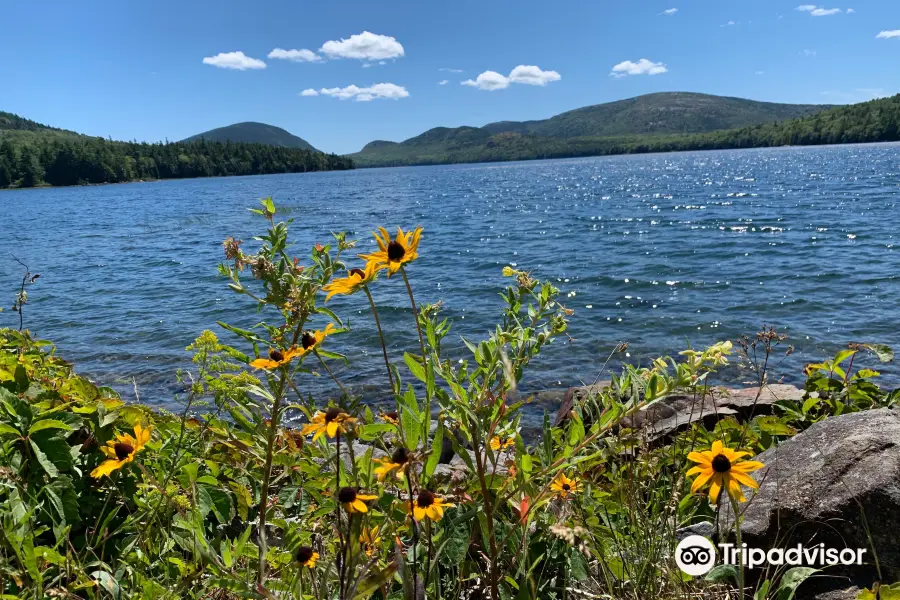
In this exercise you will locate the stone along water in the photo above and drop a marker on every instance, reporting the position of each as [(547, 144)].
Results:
[(657, 250)]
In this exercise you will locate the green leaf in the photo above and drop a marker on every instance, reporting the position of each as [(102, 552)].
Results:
[(433, 458), (45, 462), (374, 581), (410, 421), (216, 500), (9, 430), (884, 353), (791, 580), (722, 573), (54, 448), (48, 424), (414, 366)]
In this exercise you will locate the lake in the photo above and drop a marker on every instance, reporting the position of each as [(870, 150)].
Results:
[(656, 250)]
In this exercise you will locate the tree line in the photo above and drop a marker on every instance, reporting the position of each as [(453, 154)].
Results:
[(35, 157)]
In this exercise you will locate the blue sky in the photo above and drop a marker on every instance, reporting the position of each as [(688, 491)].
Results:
[(136, 70)]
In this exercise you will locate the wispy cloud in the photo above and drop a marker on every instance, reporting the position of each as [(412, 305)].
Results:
[(237, 61), (524, 74), (364, 46), (443, 82), (446, 70), (669, 11), (808, 52), (378, 91), (760, 72), (641, 67), (818, 11), (303, 55), (887, 35)]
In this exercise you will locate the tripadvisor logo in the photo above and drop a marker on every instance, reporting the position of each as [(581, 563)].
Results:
[(696, 555)]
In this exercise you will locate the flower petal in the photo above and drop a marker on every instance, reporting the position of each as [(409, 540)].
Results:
[(701, 480), (744, 479), (107, 467), (700, 457)]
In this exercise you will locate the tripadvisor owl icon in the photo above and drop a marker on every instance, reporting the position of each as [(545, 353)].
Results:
[(695, 555)]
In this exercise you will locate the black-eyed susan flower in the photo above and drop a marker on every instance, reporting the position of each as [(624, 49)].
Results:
[(310, 340), (369, 539), (395, 464), (331, 422), (427, 504), (394, 253), (498, 443), (564, 486), (722, 467), (353, 501), (306, 557), (353, 282), (121, 450), (276, 358)]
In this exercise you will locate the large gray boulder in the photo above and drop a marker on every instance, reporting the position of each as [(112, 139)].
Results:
[(836, 483)]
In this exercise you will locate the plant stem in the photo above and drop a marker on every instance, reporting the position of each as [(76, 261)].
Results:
[(415, 312), (339, 384), (387, 363), (267, 476), (488, 513), (415, 533), (737, 540)]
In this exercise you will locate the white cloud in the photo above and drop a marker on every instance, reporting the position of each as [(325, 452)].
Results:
[(234, 60), (377, 91), (309, 92), (450, 70), (760, 72), (524, 74), (303, 55), (807, 52), (641, 67), (367, 65), (851, 11), (886, 35), (669, 11), (817, 11), (443, 82), (729, 24), (489, 80), (532, 75), (363, 46)]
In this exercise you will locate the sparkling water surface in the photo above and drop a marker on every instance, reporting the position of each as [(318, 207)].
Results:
[(659, 250)]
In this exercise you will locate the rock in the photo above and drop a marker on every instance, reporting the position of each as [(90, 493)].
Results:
[(843, 594), (679, 411), (816, 487), (703, 528)]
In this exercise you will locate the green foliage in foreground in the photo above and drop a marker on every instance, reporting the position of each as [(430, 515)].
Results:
[(874, 121), (182, 519), (33, 155)]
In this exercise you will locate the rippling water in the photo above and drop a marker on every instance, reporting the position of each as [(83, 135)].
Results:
[(657, 250)]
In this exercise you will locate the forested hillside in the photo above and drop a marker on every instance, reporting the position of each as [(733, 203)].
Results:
[(874, 121), (32, 154), (253, 133)]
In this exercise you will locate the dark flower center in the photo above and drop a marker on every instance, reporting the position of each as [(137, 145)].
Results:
[(276, 355), (425, 499), (360, 272), (391, 415), (400, 456), (331, 414), (721, 464), (304, 553), (347, 494), (308, 340), (566, 487), (123, 450), (395, 251)]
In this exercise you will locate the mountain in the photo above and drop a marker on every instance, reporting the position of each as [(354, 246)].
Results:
[(253, 133), (873, 121), (33, 154), (652, 114)]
